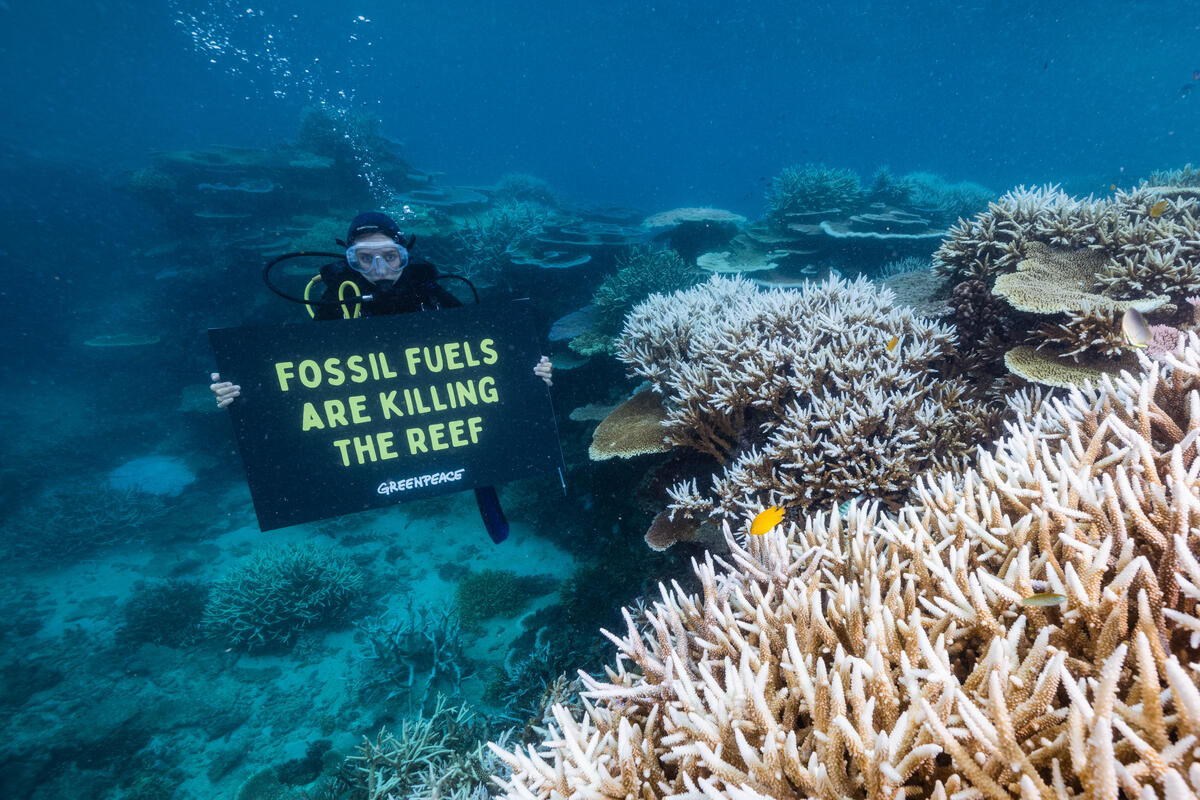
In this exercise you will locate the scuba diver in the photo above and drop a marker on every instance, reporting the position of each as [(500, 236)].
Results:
[(381, 276)]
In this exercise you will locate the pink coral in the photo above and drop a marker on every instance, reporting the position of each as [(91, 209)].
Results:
[(1166, 340)]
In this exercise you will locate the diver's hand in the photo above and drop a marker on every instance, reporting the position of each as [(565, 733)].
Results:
[(224, 391), (542, 369)]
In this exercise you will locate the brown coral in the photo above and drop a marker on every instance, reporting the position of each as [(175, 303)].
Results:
[(1083, 261), (1051, 366), (633, 428), (1137, 254), (796, 393), (872, 657), (982, 319)]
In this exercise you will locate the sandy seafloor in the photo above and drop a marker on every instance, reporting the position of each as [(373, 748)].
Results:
[(216, 716)]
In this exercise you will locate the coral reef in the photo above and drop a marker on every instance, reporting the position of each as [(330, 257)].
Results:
[(333, 133), (640, 271), (496, 592), (78, 516), (1077, 264), (280, 592), (811, 187), (1139, 254), (820, 218), (519, 187), (1026, 628), (692, 231), (418, 657), (164, 612), (489, 243), (796, 395), (981, 318), (320, 234), (523, 682), (1187, 176), (439, 757), (931, 193)]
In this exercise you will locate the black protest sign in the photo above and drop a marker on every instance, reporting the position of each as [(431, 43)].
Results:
[(348, 415)]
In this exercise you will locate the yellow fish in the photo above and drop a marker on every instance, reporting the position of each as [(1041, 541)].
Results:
[(1112, 186), (1044, 599), (767, 518), (891, 345), (1134, 329), (1158, 208)]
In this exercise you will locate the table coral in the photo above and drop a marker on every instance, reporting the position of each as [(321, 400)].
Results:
[(886, 657), (1079, 263), (633, 428)]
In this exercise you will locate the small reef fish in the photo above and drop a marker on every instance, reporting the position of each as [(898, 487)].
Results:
[(1158, 208), (1044, 599), (891, 345), (765, 520), (1134, 329), (844, 508), (1112, 186)]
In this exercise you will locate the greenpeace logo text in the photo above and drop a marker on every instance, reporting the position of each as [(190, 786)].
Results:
[(420, 481)]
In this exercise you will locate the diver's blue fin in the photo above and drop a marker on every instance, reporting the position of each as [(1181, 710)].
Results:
[(492, 513)]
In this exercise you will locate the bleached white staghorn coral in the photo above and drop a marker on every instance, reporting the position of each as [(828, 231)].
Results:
[(796, 392), (1050, 254), (880, 657), (1145, 254)]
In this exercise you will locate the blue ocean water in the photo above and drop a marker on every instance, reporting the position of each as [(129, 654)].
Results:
[(638, 105)]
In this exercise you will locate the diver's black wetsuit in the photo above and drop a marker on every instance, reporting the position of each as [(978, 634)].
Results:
[(416, 290)]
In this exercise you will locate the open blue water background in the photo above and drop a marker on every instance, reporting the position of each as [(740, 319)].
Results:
[(650, 104)]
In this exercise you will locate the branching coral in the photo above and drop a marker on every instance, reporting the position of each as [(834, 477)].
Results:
[(1138, 253), (983, 320), (640, 271), (419, 656), (880, 657), (1099, 326), (278, 593), (439, 757), (1049, 253), (166, 612), (994, 241), (796, 393), (812, 187), (932, 193), (1186, 176), (78, 516), (487, 245)]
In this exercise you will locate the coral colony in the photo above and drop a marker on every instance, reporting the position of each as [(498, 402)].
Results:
[(1025, 625), (887, 656), (934, 456)]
